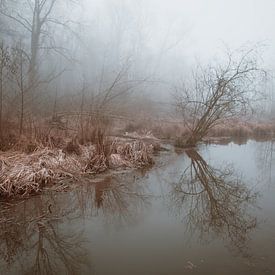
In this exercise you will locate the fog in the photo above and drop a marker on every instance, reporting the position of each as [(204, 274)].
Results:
[(168, 38), (119, 52), (156, 119), (194, 29)]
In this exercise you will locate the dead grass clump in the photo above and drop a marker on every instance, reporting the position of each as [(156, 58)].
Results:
[(142, 135), (72, 147), (26, 145), (148, 138), (138, 153), (99, 160), (98, 163), (30, 147), (89, 128), (8, 141), (55, 142), (117, 161), (115, 155), (23, 174), (33, 166), (23, 180)]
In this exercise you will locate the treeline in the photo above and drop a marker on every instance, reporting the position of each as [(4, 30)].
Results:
[(55, 73), (64, 74)]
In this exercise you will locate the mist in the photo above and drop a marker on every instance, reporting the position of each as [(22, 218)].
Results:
[(163, 41), (137, 137)]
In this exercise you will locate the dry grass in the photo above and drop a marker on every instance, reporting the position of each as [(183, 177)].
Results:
[(22, 174), (243, 129), (137, 153), (48, 155), (178, 133), (30, 164)]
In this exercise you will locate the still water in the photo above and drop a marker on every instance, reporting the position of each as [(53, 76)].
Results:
[(204, 211)]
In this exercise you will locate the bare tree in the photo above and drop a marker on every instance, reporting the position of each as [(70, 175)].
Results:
[(218, 93), (35, 17), (4, 63), (18, 68)]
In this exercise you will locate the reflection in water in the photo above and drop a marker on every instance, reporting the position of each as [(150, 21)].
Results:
[(117, 200), (265, 158), (55, 250), (214, 201), (34, 239), (68, 233)]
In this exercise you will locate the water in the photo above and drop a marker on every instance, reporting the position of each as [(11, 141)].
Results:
[(209, 211)]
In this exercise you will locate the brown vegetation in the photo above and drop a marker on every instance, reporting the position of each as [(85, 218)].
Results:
[(229, 129), (50, 132), (29, 171)]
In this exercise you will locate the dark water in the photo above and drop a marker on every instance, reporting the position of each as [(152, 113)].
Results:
[(209, 211)]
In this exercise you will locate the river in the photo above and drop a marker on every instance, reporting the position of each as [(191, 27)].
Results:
[(203, 211)]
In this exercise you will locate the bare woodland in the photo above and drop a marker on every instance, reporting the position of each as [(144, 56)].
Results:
[(75, 102)]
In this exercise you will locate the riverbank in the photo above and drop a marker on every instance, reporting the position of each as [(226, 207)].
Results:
[(28, 168), (25, 173)]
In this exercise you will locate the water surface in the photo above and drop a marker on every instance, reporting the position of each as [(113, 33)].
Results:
[(204, 211)]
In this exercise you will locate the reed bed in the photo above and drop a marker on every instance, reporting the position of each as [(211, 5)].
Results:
[(23, 174), (231, 129), (137, 153)]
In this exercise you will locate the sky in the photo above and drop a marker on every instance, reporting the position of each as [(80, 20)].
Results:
[(199, 29), (208, 24), (184, 33)]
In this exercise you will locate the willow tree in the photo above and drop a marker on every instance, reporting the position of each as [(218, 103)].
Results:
[(219, 92)]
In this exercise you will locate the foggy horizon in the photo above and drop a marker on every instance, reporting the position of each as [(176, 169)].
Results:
[(137, 137)]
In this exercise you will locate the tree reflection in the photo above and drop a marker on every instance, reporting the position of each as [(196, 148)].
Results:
[(34, 236), (214, 201), (31, 238), (265, 160), (56, 251), (117, 200)]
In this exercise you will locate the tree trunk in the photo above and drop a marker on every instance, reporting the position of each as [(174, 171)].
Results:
[(35, 39), (22, 97), (1, 91)]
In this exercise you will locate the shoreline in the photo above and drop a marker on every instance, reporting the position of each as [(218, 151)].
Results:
[(23, 175)]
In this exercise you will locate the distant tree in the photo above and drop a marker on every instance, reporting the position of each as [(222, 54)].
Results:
[(35, 17), (18, 68), (4, 64)]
